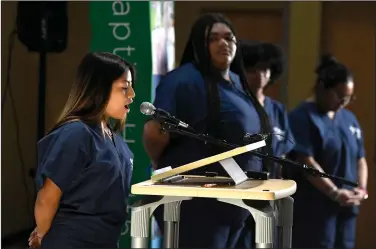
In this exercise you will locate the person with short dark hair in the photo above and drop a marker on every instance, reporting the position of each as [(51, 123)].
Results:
[(214, 100), (84, 165), (264, 64), (329, 138)]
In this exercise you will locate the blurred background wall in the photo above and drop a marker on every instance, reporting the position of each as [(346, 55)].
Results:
[(304, 29)]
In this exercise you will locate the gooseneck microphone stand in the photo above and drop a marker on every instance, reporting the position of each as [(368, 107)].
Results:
[(174, 128)]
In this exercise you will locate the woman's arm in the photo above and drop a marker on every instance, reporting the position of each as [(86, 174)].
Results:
[(62, 160), (362, 173), (325, 185), (46, 205), (362, 167), (172, 95), (154, 140), (361, 191)]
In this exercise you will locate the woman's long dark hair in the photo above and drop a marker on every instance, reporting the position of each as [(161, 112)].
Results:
[(92, 87), (197, 51)]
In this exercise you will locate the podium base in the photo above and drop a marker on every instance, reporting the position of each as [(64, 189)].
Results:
[(263, 212)]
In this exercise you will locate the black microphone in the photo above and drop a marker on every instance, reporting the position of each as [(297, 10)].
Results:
[(149, 109), (253, 138)]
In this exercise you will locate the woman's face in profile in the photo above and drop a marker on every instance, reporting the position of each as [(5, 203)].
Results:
[(121, 97), (222, 45)]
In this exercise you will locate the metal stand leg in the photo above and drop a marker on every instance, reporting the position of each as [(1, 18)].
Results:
[(140, 220), (176, 240), (264, 230), (140, 227), (263, 213), (171, 220), (285, 221)]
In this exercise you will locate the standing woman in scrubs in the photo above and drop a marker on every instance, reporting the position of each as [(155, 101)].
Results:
[(84, 165), (263, 64), (330, 139), (204, 93)]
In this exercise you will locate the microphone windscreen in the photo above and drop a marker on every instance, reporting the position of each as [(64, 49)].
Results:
[(147, 108)]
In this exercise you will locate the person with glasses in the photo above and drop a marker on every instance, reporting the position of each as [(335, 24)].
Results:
[(328, 138)]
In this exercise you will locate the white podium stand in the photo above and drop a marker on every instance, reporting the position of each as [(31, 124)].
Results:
[(267, 200)]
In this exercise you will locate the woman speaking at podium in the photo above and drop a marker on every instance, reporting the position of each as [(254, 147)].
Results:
[(329, 138), (84, 166), (204, 93)]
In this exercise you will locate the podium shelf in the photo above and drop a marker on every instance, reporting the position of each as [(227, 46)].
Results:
[(267, 190)]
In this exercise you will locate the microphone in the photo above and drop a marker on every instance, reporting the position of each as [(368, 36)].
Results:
[(253, 138), (149, 109)]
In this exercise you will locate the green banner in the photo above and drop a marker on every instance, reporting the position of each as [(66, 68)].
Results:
[(123, 28)]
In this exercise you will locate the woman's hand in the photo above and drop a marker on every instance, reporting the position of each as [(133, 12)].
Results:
[(345, 197), (35, 239), (360, 194), (348, 198)]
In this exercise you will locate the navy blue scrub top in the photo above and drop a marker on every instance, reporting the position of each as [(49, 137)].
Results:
[(182, 93), (336, 144), (94, 175), (283, 139)]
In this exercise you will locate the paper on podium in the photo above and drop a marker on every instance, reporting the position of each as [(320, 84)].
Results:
[(225, 159)]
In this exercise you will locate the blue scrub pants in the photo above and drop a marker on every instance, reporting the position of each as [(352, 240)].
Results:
[(62, 238), (207, 223), (324, 227), (247, 235)]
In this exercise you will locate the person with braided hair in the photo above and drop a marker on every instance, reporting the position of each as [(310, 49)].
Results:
[(213, 99)]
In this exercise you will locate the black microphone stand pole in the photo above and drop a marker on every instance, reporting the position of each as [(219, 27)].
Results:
[(171, 127)]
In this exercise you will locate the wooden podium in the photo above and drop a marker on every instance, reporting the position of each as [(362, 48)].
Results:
[(268, 201)]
